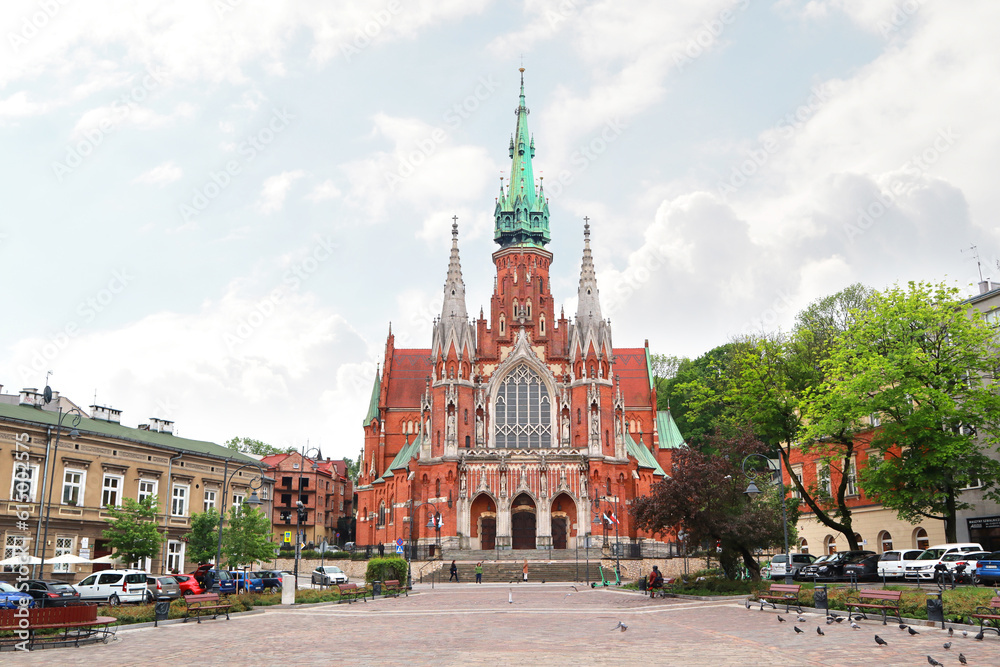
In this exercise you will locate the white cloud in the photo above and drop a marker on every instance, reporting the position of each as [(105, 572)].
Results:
[(323, 191), (168, 172), (275, 189)]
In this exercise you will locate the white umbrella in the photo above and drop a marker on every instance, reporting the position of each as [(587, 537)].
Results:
[(105, 560), (69, 559), (21, 560)]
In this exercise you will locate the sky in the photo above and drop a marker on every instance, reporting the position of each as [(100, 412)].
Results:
[(213, 209)]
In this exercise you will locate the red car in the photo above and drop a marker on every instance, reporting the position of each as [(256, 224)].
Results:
[(189, 585)]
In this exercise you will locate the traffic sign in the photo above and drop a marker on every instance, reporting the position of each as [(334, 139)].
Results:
[(399, 548), (399, 541), (288, 536)]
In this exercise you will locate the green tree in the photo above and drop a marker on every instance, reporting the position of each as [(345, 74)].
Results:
[(354, 465), (697, 395), (203, 538), (132, 531), (255, 447), (247, 538), (923, 363)]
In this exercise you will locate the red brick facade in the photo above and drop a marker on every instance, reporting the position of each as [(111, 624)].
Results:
[(324, 489)]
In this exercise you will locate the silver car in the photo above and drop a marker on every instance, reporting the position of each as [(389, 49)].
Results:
[(161, 586), (328, 575)]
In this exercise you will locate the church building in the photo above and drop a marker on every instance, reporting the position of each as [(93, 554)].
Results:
[(517, 430)]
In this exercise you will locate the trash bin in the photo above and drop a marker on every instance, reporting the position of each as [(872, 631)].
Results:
[(935, 608), (161, 609), (819, 597), (376, 588)]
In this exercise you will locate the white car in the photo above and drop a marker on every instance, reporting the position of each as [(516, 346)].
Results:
[(970, 559), (893, 563), (922, 568), (328, 575), (114, 586)]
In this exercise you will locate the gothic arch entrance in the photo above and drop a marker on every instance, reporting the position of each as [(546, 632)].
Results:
[(484, 521), (563, 515), (523, 522)]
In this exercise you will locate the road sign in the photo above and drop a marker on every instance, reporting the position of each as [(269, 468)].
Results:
[(399, 548), (288, 536), (399, 541)]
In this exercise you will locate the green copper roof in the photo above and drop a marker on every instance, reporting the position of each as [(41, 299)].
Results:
[(649, 367), (670, 435), (403, 458), (373, 403), (643, 456), (32, 415), (522, 214)]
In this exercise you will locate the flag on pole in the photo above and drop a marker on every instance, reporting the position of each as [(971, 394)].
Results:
[(606, 519), (440, 521), (614, 518)]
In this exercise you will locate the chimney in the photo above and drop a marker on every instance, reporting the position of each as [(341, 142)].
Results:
[(988, 286), (106, 413), (31, 397), (161, 425)]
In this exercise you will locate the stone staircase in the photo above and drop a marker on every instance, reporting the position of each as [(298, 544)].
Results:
[(543, 565)]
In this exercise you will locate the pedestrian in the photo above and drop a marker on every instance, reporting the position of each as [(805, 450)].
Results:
[(524, 570), (655, 581), (454, 572), (479, 572), (381, 550)]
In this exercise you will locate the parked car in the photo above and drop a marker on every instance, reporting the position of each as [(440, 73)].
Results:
[(12, 598), (988, 569), (214, 581), (327, 575), (799, 561), (270, 578), (50, 593), (246, 582), (162, 586), (923, 568), (834, 567), (969, 559), (349, 547), (893, 563), (863, 567), (188, 584), (114, 586)]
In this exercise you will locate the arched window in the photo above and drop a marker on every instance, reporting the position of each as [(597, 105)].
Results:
[(437, 488), (467, 442), (466, 416), (920, 540), (830, 545), (541, 325), (528, 309), (502, 324), (381, 513), (607, 438), (578, 416), (514, 309), (884, 541), (804, 546), (523, 411), (607, 486)]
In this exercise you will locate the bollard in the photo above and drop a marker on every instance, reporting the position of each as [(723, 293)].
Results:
[(935, 608), (819, 597)]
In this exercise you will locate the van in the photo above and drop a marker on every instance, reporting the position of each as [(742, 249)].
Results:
[(114, 586), (893, 563), (799, 561), (922, 569)]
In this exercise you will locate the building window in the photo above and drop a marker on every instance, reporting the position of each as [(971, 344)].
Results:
[(286, 481), (147, 488), (111, 491), (24, 481), (875, 419), (437, 489), (920, 540), (852, 478), (804, 546), (885, 541), (974, 483), (797, 471), (381, 513), (210, 499), (64, 545), (522, 411), (830, 545), (73, 485), (178, 503), (15, 545), (823, 479), (238, 499), (286, 499), (175, 556), (303, 482)]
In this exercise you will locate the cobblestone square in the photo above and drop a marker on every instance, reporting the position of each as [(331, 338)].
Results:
[(547, 624)]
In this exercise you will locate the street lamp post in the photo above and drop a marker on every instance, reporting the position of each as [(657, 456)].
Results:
[(253, 500), (300, 509), (77, 416), (753, 491)]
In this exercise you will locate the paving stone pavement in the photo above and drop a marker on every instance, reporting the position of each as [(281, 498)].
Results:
[(546, 624)]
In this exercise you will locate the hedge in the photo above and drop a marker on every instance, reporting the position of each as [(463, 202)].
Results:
[(384, 569)]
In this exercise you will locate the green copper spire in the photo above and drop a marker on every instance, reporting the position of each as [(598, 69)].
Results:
[(522, 214)]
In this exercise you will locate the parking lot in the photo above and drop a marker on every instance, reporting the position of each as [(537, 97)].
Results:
[(523, 624)]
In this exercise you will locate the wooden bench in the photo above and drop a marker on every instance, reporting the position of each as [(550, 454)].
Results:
[(880, 600), (786, 594), (204, 603), (392, 587), (77, 623), (352, 592), (990, 614)]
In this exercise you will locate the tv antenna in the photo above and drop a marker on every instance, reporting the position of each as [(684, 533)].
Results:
[(975, 255)]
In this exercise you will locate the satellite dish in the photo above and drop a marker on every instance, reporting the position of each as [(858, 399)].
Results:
[(47, 394)]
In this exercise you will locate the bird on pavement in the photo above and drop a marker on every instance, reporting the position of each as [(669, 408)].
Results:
[(880, 641), (979, 637), (947, 645), (855, 626), (819, 631), (903, 626), (951, 631), (574, 588), (965, 633), (510, 596), (839, 619), (932, 662), (801, 619), (780, 619), (798, 631), (912, 631), (961, 659), (829, 621), (620, 625)]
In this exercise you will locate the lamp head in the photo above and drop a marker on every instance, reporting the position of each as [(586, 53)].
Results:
[(752, 490), (253, 499)]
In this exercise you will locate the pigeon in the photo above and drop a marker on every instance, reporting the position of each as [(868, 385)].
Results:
[(903, 626), (859, 617), (951, 631), (801, 620), (829, 621), (839, 619), (574, 588), (965, 633), (979, 637), (780, 619), (961, 659), (855, 626), (932, 662), (797, 630), (832, 615), (912, 631), (620, 625), (819, 631), (947, 645), (880, 641)]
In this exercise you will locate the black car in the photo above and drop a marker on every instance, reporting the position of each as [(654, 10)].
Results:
[(50, 593), (862, 567), (832, 568), (271, 579)]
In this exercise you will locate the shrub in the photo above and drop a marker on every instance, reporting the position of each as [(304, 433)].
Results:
[(382, 569), (310, 554), (338, 555), (307, 595)]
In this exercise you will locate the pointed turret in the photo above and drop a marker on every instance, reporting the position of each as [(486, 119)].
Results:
[(522, 214), (588, 309), (591, 334), (453, 329), (373, 402)]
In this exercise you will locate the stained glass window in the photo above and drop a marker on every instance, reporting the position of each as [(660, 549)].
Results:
[(523, 411)]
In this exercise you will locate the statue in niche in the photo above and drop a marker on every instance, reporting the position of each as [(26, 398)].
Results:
[(503, 484), (562, 476), (565, 429), (451, 426), (523, 481), (595, 426), (544, 483), (462, 489), (583, 484), (479, 428), (482, 477)]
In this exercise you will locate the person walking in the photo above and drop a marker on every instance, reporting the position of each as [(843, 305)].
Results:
[(454, 572), (524, 570), (479, 572)]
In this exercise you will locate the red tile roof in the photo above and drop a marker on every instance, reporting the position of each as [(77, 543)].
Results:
[(407, 378), (632, 371)]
